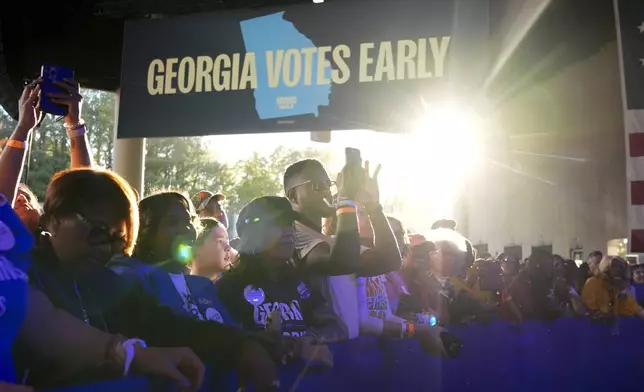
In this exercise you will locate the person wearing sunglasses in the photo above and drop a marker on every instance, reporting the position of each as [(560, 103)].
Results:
[(265, 281), (27, 319), (332, 263), (91, 215)]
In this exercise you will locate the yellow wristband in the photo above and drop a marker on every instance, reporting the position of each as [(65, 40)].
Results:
[(16, 144)]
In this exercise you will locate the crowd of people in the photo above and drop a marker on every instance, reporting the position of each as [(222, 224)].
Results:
[(100, 283)]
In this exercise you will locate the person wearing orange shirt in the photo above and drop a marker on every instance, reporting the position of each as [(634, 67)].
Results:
[(608, 294)]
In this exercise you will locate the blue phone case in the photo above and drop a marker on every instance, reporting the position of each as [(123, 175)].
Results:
[(51, 74)]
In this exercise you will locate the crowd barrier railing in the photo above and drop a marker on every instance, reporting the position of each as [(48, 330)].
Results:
[(564, 355)]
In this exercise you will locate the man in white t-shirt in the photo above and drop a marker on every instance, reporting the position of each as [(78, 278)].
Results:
[(333, 263)]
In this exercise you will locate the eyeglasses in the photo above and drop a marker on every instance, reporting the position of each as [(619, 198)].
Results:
[(99, 234), (318, 186)]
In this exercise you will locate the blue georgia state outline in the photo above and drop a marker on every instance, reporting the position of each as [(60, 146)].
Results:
[(271, 33)]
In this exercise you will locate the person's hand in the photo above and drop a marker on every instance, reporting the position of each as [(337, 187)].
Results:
[(71, 98), (430, 339), (369, 195), (29, 114), (28, 214), (6, 387), (316, 354), (303, 348), (257, 366), (179, 364)]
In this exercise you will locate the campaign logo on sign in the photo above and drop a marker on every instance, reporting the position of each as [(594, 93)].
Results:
[(291, 80)]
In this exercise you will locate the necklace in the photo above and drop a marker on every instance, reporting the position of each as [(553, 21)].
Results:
[(82, 305)]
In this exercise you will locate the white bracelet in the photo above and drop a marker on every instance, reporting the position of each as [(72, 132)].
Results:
[(346, 203), (129, 347), (403, 330), (76, 125), (77, 132)]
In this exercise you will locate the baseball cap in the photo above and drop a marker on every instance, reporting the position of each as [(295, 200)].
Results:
[(265, 210), (444, 224), (416, 239), (202, 199)]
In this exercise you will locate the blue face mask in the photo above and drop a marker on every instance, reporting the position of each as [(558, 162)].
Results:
[(15, 244)]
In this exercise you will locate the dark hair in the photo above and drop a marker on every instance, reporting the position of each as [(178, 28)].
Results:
[(69, 189), (596, 253), (541, 263), (152, 209), (250, 267), (571, 271), (401, 234), (207, 225), (294, 171), (420, 252), (559, 258)]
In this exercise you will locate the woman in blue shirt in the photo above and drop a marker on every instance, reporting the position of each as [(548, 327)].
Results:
[(53, 335), (15, 242)]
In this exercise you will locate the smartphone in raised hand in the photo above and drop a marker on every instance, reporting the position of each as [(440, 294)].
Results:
[(353, 157), (352, 174), (50, 75)]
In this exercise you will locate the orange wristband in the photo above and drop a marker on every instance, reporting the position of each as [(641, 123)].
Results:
[(16, 144), (345, 210), (411, 328)]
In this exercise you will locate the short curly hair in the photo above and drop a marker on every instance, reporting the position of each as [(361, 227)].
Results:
[(72, 188)]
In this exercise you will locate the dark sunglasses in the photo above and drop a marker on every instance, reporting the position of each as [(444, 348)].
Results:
[(317, 186), (98, 235)]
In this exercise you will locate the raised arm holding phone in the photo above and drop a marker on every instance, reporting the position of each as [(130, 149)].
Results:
[(54, 93), (304, 186), (56, 337)]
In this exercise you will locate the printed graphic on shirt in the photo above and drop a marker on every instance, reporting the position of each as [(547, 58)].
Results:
[(9, 272), (292, 320), (254, 296), (377, 302), (213, 315), (303, 290), (189, 305), (7, 239)]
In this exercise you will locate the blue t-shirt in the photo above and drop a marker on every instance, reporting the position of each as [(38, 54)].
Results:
[(15, 242)]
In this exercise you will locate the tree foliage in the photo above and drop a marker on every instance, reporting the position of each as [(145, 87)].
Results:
[(183, 163)]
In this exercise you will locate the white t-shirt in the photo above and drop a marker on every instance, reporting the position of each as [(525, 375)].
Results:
[(340, 291), (373, 304)]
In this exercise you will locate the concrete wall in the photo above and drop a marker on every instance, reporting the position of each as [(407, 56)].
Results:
[(532, 200)]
